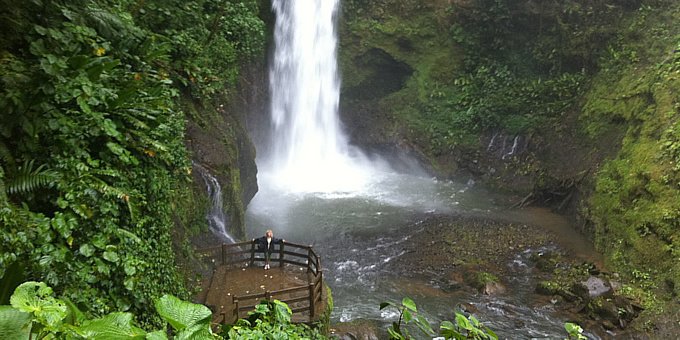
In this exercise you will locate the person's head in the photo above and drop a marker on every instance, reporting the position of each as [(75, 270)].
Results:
[(269, 233)]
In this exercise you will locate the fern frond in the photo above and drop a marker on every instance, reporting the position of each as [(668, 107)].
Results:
[(107, 190), (106, 172), (5, 155), (108, 23), (3, 193), (28, 179)]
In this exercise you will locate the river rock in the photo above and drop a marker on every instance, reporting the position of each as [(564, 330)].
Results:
[(604, 309), (355, 330), (494, 288), (468, 308), (596, 286)]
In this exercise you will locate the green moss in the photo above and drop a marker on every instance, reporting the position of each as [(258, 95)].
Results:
[(480, 279), (636, 205), (324, 323), (548, 288)]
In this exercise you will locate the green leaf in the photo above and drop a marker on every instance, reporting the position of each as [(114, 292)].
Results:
[(492, 335), (408, 303), (384, 305), (87, 250), (195, 332), (462, 321), (407, 316), (28, 179), (282, 312), (447, 325), (82, 103), (75, 315), (112, 327), (395, 335), (182, 314), (36, 298), (424, 325), (110, 128), (110, 256), (572, 328), (157, 335), (124, 234), (575, 331), (14, 324)]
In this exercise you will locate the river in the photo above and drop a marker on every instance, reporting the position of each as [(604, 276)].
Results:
[(359, 237)]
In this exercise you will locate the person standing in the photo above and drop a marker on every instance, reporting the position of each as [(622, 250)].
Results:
[(266, 244)]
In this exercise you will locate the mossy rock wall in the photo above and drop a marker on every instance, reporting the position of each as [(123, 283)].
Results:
[(609, 156), (636, 204), (218, 140)]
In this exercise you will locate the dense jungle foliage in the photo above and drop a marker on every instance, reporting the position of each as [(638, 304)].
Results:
[(94, 97), (92, 156), (481, 65), (604, 73)]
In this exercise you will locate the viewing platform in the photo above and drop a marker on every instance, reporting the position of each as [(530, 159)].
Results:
[(239, 282)]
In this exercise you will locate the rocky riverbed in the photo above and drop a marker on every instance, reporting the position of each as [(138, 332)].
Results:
[(478, 255)]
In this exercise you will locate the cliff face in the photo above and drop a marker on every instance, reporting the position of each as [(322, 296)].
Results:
[(572, 105), (218, 140)]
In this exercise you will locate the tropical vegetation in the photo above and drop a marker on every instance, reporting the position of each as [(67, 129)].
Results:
[(92, 155), (96, 96)]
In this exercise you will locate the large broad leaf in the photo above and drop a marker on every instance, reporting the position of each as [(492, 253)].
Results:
[(196, 332), (36, 298), (75, 316), (115, 326), (182, 314), (157, 335), (14, 324), (282, 312)]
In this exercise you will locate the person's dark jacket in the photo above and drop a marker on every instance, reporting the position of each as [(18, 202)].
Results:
[(262, 243)]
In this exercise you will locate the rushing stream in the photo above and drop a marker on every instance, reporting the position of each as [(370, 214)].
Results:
[(358, 234), (315, 188)]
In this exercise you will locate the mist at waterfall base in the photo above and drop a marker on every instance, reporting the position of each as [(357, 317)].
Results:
[(315, 188)]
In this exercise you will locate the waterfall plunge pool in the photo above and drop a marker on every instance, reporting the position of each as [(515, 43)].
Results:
[(361, 237)]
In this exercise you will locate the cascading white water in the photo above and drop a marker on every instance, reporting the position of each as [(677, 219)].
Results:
[(217, 220), (310, 151)]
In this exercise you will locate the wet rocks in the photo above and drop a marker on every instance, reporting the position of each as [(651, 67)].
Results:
[(486, 283), (494, 288), (587, 291), (596, 286), (355, 330)]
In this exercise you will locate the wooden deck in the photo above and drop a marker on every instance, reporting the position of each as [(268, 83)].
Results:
[(240, 281)]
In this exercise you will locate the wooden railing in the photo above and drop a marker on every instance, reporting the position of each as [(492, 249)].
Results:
[(247, 253)]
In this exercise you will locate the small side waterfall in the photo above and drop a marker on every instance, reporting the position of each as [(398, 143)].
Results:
[(310, 151), (217, 220)]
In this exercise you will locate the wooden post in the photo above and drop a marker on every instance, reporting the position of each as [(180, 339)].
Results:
[(281, 254), (318, 263), (252, 253), (235, 300), (224, 246), (309, 259), (312, 300)]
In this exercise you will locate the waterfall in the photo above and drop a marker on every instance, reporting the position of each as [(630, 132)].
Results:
[(310, 152), (217, 220)]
